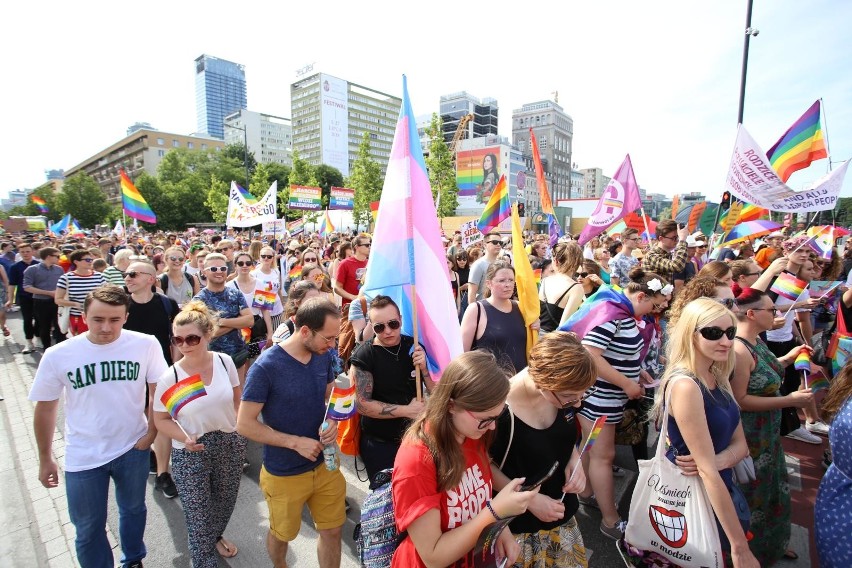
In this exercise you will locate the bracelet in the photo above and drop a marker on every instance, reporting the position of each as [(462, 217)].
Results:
[(493, 512)]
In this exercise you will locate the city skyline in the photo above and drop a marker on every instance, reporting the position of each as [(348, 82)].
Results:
[(661, 84)]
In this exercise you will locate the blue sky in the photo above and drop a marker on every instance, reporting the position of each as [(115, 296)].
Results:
[(658, 80)]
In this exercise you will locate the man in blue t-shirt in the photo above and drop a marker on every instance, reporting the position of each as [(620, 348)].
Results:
[(289, 386)]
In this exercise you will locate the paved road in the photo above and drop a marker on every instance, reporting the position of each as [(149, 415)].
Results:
[(35, 529)]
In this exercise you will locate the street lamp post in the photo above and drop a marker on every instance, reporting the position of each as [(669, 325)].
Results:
[(245, 149)]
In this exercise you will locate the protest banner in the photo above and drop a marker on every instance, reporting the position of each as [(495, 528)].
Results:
[(341, 198), (470, 233), (305, 198)]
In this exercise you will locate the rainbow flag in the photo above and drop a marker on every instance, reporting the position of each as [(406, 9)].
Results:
[(244, 193), (822, 242), (295, 272), (341, 403), (296, 227), (374, 209), (537, 275), (497, 209), (553, 228), (134, 204), (40, 203), (326, 228), (802, 144), (788, 286), (263, 299), (182, 393), (407, 260), (590, 441), (817, 382), (803, 361)]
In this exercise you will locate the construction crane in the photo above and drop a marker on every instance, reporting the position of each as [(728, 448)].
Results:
[(463, 121)]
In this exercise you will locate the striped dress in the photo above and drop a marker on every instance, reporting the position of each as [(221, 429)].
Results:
[(622, 348), (78, 287)]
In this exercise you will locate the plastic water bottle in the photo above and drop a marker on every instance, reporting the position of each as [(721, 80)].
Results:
[(329, 453)]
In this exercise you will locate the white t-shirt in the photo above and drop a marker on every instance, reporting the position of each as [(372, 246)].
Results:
[(209, 413), (104, 388), (783, 304), (270, 283)]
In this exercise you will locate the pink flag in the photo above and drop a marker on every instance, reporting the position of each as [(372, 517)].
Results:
[(619, 198), (407, 259)]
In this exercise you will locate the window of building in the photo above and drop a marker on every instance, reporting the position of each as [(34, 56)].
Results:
[(160, 141), (204, 146), (175, 143), (161, 153), (190, 145)]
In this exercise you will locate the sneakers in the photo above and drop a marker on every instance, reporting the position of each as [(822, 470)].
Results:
[(803, 435), (152, 467), (818, 427), (134, 564), (165, 484), (28, 348), (615, 532)]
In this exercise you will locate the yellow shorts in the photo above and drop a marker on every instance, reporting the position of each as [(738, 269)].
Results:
[(324, 491)]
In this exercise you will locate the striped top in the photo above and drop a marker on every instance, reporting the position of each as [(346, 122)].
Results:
[(622, 347), (78, 287)]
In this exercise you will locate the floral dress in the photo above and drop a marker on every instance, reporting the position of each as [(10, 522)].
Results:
[(768, 496)]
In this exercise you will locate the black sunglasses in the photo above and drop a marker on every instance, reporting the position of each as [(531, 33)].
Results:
[(495, 242), (380, 327), (135, 273), (582, 274), (244, 263), (729, 303), (716, 333), (267, 256), (190, 340)]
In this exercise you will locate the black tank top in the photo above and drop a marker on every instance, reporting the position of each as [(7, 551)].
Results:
[(505, 335), (551, 314)]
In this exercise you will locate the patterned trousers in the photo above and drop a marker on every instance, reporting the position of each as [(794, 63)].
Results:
[(208, 482)]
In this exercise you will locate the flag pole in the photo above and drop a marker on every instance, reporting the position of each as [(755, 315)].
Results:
[(647, 231), (825, 131)]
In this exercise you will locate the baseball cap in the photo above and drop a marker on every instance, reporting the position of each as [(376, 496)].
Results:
[(775, 234), (691, 242)]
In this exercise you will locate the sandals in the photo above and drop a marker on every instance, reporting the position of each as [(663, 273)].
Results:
[(226, 549)]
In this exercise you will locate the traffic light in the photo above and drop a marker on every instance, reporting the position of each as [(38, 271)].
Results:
[(522, 210), (726, 200)]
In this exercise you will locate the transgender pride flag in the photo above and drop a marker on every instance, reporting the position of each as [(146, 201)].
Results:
[(407, 260)]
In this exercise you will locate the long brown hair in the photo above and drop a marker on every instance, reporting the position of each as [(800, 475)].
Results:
[(472, 381), (838, 393)]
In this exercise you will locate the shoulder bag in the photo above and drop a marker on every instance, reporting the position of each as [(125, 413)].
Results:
[(670, 513)]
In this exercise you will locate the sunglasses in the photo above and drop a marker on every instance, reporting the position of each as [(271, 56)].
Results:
[(244, 263), (485, 422), (716, 333), (582, 274), (176, 258), (189, 340), (773, 310), (461, 258), (380, 327), (135, 273), (88, 259), (311, 259), (217, 268), (495, 242), (729, 303), (267, 256)]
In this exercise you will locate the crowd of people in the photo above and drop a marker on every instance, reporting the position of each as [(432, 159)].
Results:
[(132, 330)]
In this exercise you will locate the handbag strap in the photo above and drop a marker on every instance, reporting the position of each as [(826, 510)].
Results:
[(664, 430), (511, 435)]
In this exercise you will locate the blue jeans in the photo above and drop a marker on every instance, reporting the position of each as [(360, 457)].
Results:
[(87, 493)]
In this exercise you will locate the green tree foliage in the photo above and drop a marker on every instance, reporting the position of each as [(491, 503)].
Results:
[(327, 177), (83, 198), (665, 214), (302, 173), (442, 174), (366, 179), (235, 155), (178, 194), (216, 199)]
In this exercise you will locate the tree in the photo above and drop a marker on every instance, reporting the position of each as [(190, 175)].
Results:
[(217, 199), (302, 174), (82, 197), (665, 214), (442, 174), (327, 177), (236, 154), (366, 180)]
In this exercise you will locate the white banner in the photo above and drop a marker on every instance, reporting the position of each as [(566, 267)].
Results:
[(241, 214), (752, 179), (274, 228), (470, 233)]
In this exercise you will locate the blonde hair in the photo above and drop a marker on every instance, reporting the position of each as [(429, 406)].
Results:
[(198, 314), (681, 352)]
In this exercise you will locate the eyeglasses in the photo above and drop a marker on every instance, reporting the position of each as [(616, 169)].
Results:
[(773, 310), (189, 340), (485, 422), (88, 259), (244, 263), (495, 242), (224, 249), (368, 245), (311, 259), (53, 256), (751, 274), (135, 273), (569, 403), (217, 268), (327, 339), (716, 333), (461, 258), (671, 237), (729, 303), (660, 306), (176, 258), (267, 256), (394, 324)]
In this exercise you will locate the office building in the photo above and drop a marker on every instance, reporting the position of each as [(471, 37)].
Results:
[(331, 115), (554, 131), (483, 112), (269, 138), (16, 198), (594, 182), (578, 184), (141, 151), (220, 89)]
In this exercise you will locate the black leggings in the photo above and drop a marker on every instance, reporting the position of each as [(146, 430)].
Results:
[(377, 455)]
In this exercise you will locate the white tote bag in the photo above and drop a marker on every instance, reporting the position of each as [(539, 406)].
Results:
[(670, 513), (63, 318)]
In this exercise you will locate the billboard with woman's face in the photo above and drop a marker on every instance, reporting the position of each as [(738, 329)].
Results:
[(477, 172)]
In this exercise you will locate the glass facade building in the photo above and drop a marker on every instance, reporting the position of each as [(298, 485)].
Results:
[(220, 89)]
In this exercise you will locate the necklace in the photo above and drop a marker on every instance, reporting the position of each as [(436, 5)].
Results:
[(395, 355)]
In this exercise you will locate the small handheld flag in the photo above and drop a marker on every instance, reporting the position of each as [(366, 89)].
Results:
[(326, 228), (788, 286), (817, 382), (590, 441), (803, 361), (341, 403), (295, 271), (182, 393)]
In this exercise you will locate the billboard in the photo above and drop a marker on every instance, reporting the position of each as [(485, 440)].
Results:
[(477, 173), (334, 134)]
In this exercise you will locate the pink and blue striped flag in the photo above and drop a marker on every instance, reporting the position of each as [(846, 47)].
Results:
[(407, 260)]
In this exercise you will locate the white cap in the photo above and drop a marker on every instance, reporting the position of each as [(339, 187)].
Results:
[(775, 234), (692, 242)]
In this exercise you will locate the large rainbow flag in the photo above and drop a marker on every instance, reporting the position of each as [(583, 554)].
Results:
[(182, 393), (134, 204), (407, 260), (497, 209), (802, 144), (40, 203)]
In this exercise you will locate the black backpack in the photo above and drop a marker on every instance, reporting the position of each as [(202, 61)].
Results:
[(376, 536)]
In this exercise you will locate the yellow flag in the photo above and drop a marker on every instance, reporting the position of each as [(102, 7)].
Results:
[(525, 280)]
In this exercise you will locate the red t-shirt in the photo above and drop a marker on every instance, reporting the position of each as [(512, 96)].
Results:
[(349, 275), (414, 487)]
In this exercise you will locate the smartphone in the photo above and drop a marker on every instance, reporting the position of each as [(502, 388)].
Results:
[(545, 477)]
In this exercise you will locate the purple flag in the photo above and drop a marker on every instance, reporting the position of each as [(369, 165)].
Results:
[(619, 198)]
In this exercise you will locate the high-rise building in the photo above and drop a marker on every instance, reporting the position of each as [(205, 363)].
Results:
[(594, 182), (457, 105), (331, 115), (554, 131), (269, 138), (220, 89)]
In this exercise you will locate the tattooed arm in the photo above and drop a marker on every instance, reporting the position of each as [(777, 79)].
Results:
[(373, 408)]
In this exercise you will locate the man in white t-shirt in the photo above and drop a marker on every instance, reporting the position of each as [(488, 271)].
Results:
[(102, 374)]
